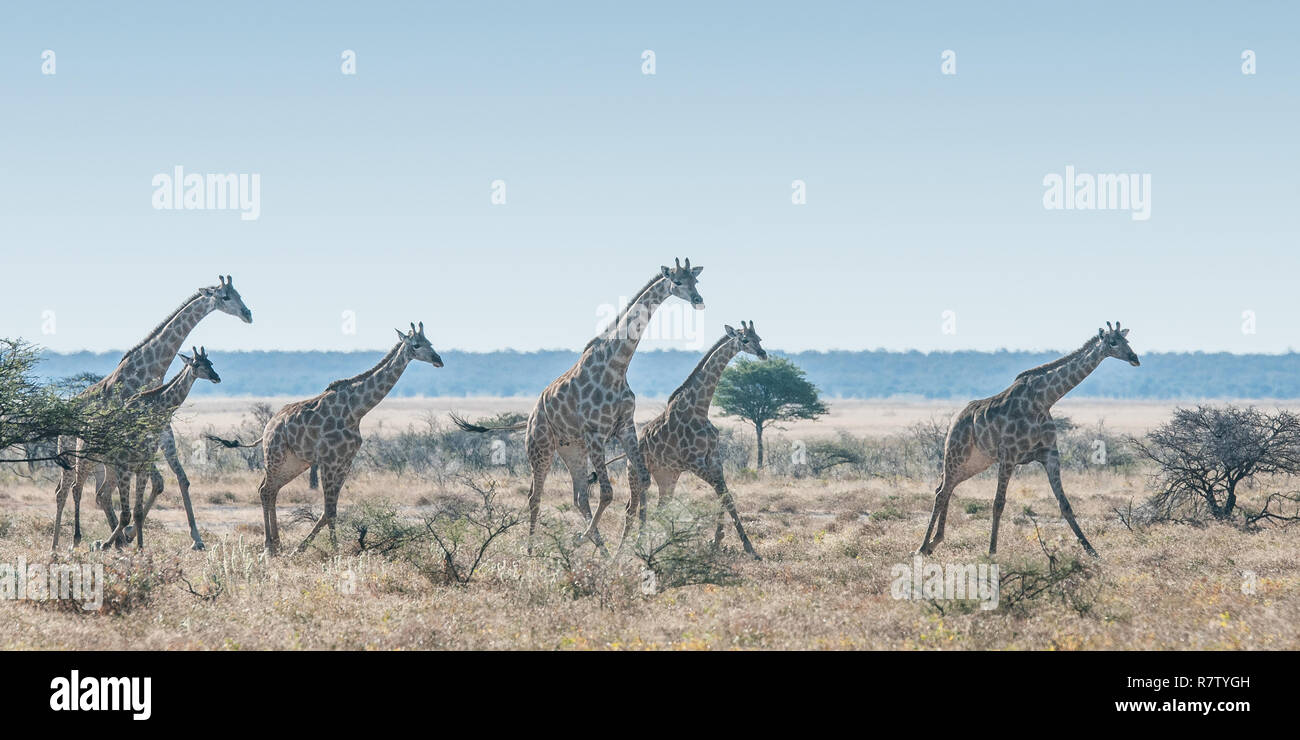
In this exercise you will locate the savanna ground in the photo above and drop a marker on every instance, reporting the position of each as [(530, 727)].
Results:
[(829, 542)]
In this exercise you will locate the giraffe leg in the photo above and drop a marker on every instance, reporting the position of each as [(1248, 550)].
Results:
[(331, 478), (957, 469), (156, 489), (712, 474), (540, 457), (168, 444), (933, 534), (596, 455), (1005, 469), (140, 506), (61, 494), (157, 483), (1051, 460), (122, 477), (267, 491), (576, 461), (104, 487), (279, 471), (82, 468), (638, 479)]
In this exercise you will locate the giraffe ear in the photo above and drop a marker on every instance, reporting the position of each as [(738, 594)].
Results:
[(695, 271), (730, 331), (1101, 333), (184, 359), (663, 269), (400, 335), (1123, 332)]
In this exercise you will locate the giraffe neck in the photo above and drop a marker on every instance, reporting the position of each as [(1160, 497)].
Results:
[(174, 393), (699, 388), (1071, 372), (619, 342), (147, 362), (371, 387)]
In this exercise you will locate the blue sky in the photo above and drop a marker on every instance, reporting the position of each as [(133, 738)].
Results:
[(924, 191)]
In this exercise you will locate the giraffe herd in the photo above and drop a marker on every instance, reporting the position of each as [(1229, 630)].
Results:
[(574, 418)]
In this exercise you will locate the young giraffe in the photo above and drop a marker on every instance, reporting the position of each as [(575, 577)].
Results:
[(157, 406), (326, 431), (683, 439), (141, 367), (1015, 427), (590, 404)]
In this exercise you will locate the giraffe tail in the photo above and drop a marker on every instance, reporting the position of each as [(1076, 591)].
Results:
[(465, 426), (233, 442)]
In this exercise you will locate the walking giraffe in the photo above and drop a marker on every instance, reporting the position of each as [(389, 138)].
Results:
[(683, 439), (591, 403), (326, 431), (156, 407), (141, 367), (1015, 427)]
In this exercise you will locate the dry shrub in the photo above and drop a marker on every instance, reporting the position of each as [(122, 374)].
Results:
[(462, 529), (677, 545), (1069, 581), (580, 571)]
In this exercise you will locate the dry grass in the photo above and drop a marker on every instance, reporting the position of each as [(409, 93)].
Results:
[(824, 583)]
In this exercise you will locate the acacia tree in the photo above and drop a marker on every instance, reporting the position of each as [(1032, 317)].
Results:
[(1203, 454), (33, 415), (766, 393)]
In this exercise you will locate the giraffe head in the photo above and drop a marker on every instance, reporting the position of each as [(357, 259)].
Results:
[(201, 365), (418, 345), (226, 299), (1114, 343), (748, 340), (683, 281)]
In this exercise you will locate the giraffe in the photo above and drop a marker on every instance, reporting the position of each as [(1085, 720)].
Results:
[(1015, 427), (156, 407), (141, 367), (591, 403), (682, 438), (326, 431)]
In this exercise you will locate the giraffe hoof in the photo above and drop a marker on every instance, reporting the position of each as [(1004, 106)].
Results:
[(198, 546)]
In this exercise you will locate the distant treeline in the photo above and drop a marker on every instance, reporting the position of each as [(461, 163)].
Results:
[(843, 374)]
